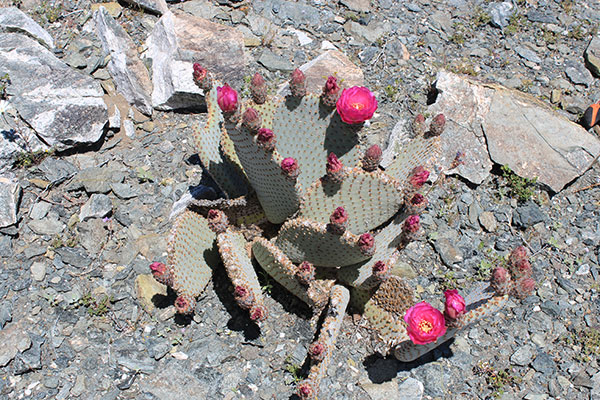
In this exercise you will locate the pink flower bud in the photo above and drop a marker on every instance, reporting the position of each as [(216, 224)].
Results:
[(227, 99), (257, 80), (289, 166), (418, 125), (251, 120), (425, 324), (317, 351), (217, 221), (158, 268), (437, 125), (298, 77), (356, 105), (339, 216), (334, 168), (455, 304), (243, 297), (331, 92), (372, 158), (298, 83), (201, 78), (161, 273), (412, 224), (258, 89), (266, 138), (524, 287), (258, 313), (184, 304), (366, 243), (305, 273), (500, 275), (518, 254), (418, 177), (381, 271), (305, 391)]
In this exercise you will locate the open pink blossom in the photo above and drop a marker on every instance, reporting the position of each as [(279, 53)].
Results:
[(455, 304), (227, 98), (425, 323), (356, 105)]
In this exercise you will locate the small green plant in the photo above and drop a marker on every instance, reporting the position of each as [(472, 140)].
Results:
[(28, 159), (521, 188), (490, 261), (294, 369), (4, 82), (496, 379), (50, 11), (577, 32), (391, 91), (515, 24), (588, 339), (144, 174), (480, 18), (448, 281), (96, 307), (549, 36)]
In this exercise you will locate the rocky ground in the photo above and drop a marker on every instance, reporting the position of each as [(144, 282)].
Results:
[(81, 318)]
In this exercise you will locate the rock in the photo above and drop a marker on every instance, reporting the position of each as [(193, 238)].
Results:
[(578, 74), (123, 191), (97, 179), (501, 13), (97, 206), (371, 33), (317, 71), (154, 6), (57, 170), (175, 381), (411, 389), (30, 359), (544, 363), (488, 221), (403, 270), (300, 15), (528, 54), (449, 253), (10, 196), (128, 72), (538, 16), (14, 340), (14, 20), (357, 5), (382, 391), (113, 8), (592, 56), (46, 226), (522, 356), (527, 215), (38, 271), (74, 257), (274, 62), (146, 287), (595, 393), (179, 40), (551, 139), (63, 106)]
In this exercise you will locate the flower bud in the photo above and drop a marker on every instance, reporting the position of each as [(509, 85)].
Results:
[(338, 221), (266, 139), (381, 271), (258, 313), (335, 169), (372, 158), (366, 244), (201, 77), (184, 304), (412, 224), (161, 273), (258, 89), (251, 120), (418, 177), (331, 92), (298, 83), (217, 221), (305, 273), (418, 125), (455, 304), (227, 99), (289, 166), (437, 125), (317, 351)]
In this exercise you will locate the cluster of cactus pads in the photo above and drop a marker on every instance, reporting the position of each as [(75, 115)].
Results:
[(303, 194)]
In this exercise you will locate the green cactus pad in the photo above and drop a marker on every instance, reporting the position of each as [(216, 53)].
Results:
[(280, 268), (407, 351), (304, 240), (386, 308), (361, 275), (419, 151), (190, 247), (370, 198), (236, 258), (208, 140), (308, 131)]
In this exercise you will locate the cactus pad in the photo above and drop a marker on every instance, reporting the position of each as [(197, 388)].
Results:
[(190, 248), (369, 198), (419, 151), (304, 240)]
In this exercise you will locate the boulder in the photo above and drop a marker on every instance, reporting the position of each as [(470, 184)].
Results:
[(129, 73), (63, 106), (176, 43), (592, 56), (10, 195), (158, 7), (14, 20), (520, 131)]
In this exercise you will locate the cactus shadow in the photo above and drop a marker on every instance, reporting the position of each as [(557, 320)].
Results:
[(334, 141), (382, 369), (162, 301)]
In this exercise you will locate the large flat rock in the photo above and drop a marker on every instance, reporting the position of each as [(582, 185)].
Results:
[(520, 131), (129, 73), (176, 43), (10, 194), (14, 20), (62, 105)]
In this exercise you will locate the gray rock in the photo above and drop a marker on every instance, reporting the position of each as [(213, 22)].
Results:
[(14, 20), (10, 196), (371, 33), (522, 356), (14, 340), (30, 359), (5, 246), (123, 191), (5, 313), (129, 73), (57, 170), (97, 206), (544, 363), (74, 257), (298, 14), (97, 179), (449, 253), (528, 54), (488, 221), (592, 56), (221, 51), (357, 5), (382, 391), (527, 215), (411, 389), (551, 139), (46, 226), (595, 393), (63, 106), (274, 62), (38, 271), (160, 350), (501, 13), (154, 6), (538, 16), (578, 74)]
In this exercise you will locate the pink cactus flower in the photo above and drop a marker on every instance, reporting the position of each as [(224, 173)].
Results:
[(265, 135), (418, 177), (331, 86), (412, 224), (366, 241), (455, 304), (227, 99), (333, 163), (199, 73), (356, 105), (158, 268), (289, 165), (425, 323)]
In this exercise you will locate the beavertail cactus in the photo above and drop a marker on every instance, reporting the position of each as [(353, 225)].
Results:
[(337, 221)]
